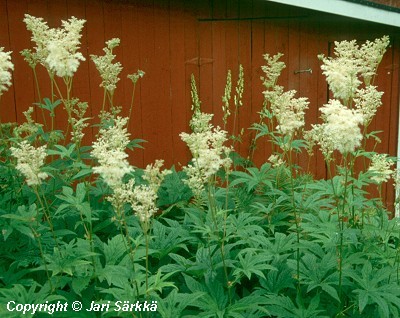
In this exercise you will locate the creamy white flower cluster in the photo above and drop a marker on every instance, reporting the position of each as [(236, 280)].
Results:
[(109, 150), (56, 48), (367, 101), (206, 144), (143, 198), (381, 168), (108, 70), (272, 69), (30, 161), (288, 110), (339, 131), (135, 76), (276, 161), (350, 62), (6, 66)]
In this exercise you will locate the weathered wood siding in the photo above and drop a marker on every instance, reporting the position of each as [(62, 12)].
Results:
[(170, 40)]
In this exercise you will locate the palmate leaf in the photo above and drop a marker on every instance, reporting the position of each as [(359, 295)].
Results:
[(173, 190), (252, 261), (167, 239), (320, 273), (375, 289), (251, 306), (279, 280), (214, 298), (283, 307), (175, 303), (254, 177), (114, 249)]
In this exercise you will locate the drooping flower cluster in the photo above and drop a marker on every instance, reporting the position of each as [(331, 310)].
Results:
[(288, 110), (109, 150), (30, 161), (6, 66), (381, 168), (56, 48), (108, 70), (339, 131), (206, 144)]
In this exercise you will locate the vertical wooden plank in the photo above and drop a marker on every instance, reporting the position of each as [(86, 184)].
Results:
[(178, 103), (244, 58), (317, 163), (394, 115), (232, 58), (162, 107), (219, 59), (206, 62), (153, 103), (308, 85), (94, 44), (131, 62), (19, 39), (191, 41), (258, 48)]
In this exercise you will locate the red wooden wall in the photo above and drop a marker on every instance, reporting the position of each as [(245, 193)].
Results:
[(171, 39)]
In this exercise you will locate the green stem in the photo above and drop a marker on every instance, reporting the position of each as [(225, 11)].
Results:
[(39, 241), (39, 95), (130, 109), (341, 229), (47, 217)]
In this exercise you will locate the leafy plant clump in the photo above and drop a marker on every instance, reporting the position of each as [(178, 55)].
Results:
[(222, 237)]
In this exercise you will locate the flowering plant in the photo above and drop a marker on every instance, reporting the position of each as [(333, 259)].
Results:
[(221, 237)]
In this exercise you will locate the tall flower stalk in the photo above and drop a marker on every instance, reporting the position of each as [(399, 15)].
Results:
[(109, 71), (207, 145)]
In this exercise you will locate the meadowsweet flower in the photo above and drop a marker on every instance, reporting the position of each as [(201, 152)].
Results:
[(108, 70), (30, 161), (276, 161), (135, 76), (6, 66), (144, 197), (206, 144), (79, 122), (272, 69), (28, 128), (340, 130), (56, 48), (371, 54), (288, 110), (342, 70), (109, 150), (226, 97), (154, 176), (367, 101), (381, 168), (40, 36)]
